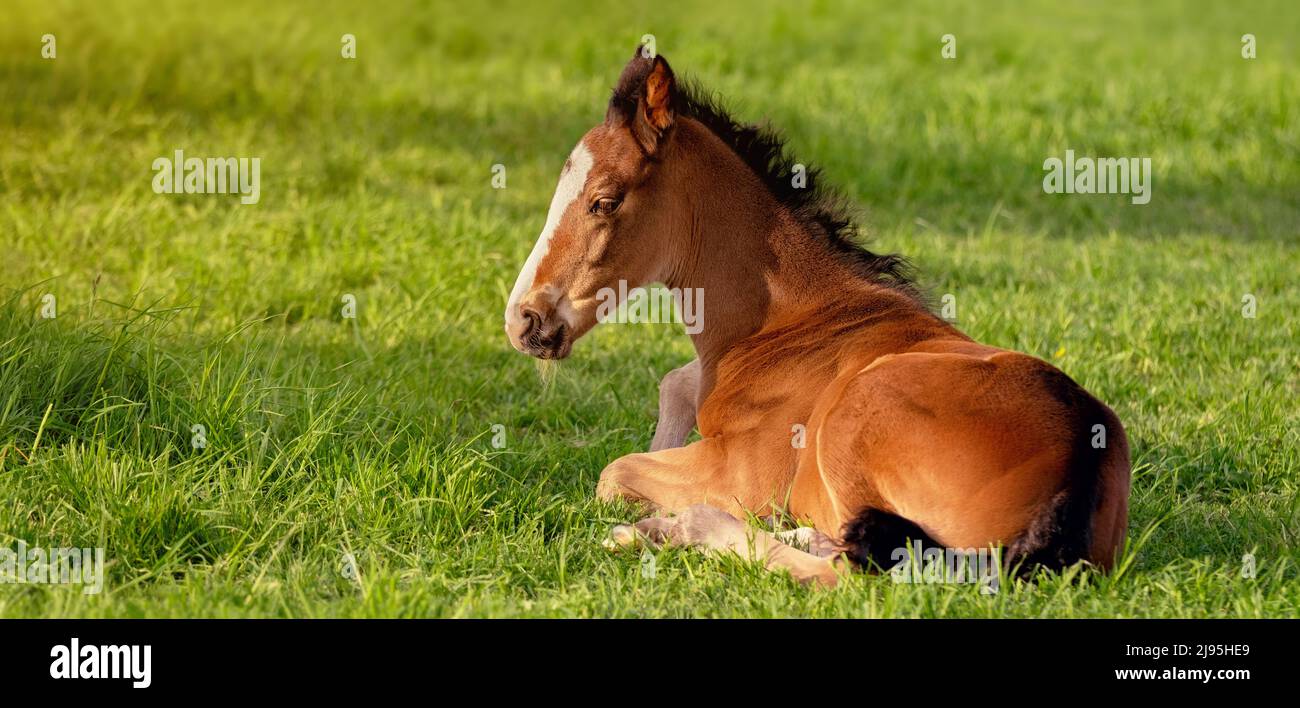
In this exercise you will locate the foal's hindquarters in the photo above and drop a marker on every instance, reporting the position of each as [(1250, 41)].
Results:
[(966, 446)]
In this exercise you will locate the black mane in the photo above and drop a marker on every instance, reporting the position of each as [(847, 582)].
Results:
[(821, 208)]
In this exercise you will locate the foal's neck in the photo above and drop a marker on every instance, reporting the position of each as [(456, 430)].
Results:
[(756, 262)]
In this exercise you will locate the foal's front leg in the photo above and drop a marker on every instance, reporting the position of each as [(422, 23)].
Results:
[(703, 472), (678, 392), (672, 479), (719, 532)]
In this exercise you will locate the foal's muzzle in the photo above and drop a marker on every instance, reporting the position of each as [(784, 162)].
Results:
[(545, 336)]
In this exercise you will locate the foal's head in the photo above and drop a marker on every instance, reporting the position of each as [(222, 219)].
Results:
[(609, 220)]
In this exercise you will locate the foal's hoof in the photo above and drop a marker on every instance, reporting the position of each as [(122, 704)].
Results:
[(621, 536)]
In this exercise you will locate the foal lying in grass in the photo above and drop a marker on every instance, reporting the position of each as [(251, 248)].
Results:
[(914, 432)]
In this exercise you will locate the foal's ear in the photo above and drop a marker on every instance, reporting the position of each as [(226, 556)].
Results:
[(645, 99), (657, 104)]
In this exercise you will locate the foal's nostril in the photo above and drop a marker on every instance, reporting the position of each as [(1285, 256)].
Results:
[(533, 322)]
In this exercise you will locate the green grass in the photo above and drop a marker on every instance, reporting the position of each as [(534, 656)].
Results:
[(372, 437)]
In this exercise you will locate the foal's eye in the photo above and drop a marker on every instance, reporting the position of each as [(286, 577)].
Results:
[(605, 207)]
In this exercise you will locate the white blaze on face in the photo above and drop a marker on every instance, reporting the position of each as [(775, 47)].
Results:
[(570, 187)]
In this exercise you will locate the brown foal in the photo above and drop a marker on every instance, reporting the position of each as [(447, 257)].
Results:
[(823, 386)]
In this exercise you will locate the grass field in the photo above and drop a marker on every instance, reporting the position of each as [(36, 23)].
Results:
[(366, 443)]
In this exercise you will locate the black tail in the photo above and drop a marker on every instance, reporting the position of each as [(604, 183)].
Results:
[(873, 537)]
